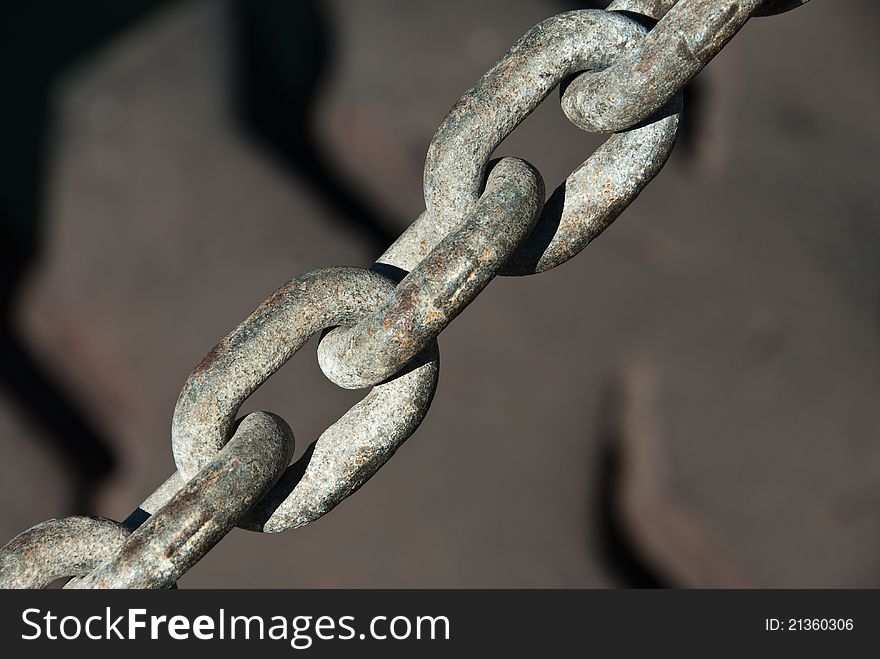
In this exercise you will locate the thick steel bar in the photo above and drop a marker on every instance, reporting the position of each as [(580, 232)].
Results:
[(205, 509), (624, 81), (342, 459), (58, 548), (591, 198), (596, 193), (260, 345), (645, 79), (348, 452), (442, 284)]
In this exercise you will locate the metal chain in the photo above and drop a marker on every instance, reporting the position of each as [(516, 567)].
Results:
[(687, 36), (380, 326)]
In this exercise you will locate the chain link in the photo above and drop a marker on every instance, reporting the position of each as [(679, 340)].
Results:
[(205, 509), (442, 283), (591, 197), (59, 548), (688, 35), (380, 326)]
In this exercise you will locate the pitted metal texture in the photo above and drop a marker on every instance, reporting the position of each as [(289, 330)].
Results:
[(262, 343), (442, 284), (460, 150), (205, 509), (59, 548), (350, 450), (617, 73), (643, 80)]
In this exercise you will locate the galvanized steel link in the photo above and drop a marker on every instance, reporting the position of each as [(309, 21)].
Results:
[(626, 78), (205, 509), (349, 451), (441, 285), (59, 548), (591, 197), (637, 84), (434, 292), (656, 9)]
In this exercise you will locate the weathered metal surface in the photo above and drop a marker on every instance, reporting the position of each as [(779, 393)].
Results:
[(596, 193), (343, 458), (644, 79), (58, 548), (450, 253), (442, 284), (203, 511), (160, 496), (350, 450), (504, 97), (655, 9), (589, 200)]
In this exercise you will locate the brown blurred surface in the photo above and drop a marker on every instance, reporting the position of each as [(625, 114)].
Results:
[(746, 276)]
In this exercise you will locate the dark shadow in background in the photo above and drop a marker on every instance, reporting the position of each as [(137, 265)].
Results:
[(284, 52), (616, 550), (692, 124), (39, 39)]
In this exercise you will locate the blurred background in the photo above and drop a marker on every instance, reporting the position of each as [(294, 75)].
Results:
[(693, 401)]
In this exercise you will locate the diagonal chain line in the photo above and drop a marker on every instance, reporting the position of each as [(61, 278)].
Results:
[(483, 218)]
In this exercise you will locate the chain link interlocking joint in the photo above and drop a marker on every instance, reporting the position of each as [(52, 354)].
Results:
[(620, 70)]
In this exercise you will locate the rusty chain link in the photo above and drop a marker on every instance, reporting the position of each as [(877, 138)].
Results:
[(380, 326)]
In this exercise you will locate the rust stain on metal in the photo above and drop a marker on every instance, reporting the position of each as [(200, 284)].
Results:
[(626, 79)]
